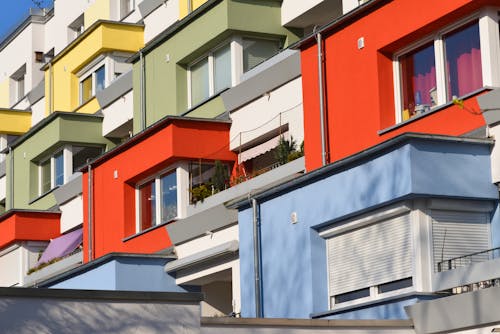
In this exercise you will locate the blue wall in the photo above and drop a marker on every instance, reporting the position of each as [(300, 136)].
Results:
[(125, 273), (294, 273)]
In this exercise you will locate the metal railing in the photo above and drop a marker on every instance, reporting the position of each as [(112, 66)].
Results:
[(468, 259)]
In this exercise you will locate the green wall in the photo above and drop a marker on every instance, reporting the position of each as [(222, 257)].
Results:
[(41, 142), (166, 81)]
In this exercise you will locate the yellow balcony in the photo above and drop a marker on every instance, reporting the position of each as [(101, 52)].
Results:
[(14, 122), (65, 72)]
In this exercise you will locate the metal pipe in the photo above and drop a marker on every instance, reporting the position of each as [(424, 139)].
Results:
[(11, 184), (143, 90), (321, 87), (50, 88), (89, 214), (257, 257)]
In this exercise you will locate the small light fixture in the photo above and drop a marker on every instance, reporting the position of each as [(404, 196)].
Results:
[(115, 174), (293, 218), (361, 43)]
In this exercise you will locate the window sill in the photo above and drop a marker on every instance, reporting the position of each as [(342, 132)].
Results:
[(372, 303), (43, 195), (208, 99), (138, 234), (82, 105), (432, 111), (127, 15)]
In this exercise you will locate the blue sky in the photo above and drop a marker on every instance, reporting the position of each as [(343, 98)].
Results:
[(14, 11)]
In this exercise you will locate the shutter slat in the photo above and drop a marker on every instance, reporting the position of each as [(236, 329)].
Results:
[(371, 255), (461, 233)]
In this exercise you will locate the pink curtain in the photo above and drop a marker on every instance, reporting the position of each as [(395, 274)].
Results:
[(469, 75)]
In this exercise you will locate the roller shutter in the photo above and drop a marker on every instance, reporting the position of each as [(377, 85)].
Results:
[(370, 256)]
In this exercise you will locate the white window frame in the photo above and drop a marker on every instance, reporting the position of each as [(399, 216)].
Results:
[(181, 177), (488, 21), (211, 69), (67, 168), (18, 80), (131, 6), (363, 222), (91, 70)]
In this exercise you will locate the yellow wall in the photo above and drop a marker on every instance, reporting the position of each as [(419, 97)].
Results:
[(101, 38), (4, 93), (184, 8), (14, 122), (99, 10)]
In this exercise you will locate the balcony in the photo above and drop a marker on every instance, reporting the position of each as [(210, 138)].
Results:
[(466, 260), (79, 60), (14, 122)]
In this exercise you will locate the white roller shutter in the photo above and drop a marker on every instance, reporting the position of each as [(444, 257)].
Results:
[(456, 234), (371, 255)]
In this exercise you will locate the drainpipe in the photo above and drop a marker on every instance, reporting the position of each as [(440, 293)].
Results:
[(11, 185), (50, 88), (89, 213), (143, 91), (321, 87), (256, 258)]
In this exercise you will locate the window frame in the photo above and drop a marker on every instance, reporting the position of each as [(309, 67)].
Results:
[(488, 47), (91, 72), (65, 153), (131, 7), (158, 207), (210, 57)]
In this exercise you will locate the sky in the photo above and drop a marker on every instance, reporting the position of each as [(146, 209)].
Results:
[(14, 11)]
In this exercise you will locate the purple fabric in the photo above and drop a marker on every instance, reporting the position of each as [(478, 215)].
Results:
[(61, 246)]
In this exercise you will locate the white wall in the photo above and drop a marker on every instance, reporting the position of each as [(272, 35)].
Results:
[(263, 115), (38, 111), (118, 113), (10, 266), (56, 30), (3, 187), (291, 9), (71, 214), (160, 19)]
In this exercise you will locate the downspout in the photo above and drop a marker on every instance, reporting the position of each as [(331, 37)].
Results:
[(11, 185), (321, 87), (89, 214), (143, 91), (50, 88), (256, 258)]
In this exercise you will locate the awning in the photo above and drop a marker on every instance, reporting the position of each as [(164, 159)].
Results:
[(260, 149), (62, 246)]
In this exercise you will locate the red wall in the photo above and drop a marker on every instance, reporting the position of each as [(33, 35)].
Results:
[(114, 199), (359, 83), (28, 226)]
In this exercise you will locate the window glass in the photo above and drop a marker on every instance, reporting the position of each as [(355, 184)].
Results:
[(168, 197), (58, 169), (418, 81), (147, 205), (82, 154), (255, 51), (222, 68), (86, 88), (200, 89), (99, 79), (45, 181), (463, 61)]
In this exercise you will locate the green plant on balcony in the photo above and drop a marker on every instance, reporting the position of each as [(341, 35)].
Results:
[(200, 192), (286, 150), (220, 179)]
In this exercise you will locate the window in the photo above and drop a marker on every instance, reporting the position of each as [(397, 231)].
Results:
[(157, 201), (447, 66), (51, 173), (126, 6), (17, 88), (92, 84), (76, 28), (255, 51), (459, 233), (358, 259), (55, 170), (210, 75)]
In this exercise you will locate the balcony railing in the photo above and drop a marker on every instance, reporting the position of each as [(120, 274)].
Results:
[(466, 260)]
